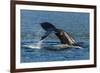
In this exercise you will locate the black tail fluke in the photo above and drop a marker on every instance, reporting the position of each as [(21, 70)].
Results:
[(64, 37), (46, 26)]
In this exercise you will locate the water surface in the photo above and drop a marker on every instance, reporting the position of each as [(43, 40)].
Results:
[(75, 23)]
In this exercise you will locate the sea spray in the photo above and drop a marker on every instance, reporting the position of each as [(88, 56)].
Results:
[(39, 44)]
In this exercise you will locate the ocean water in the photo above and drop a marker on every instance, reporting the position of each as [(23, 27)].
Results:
[(75, 23)]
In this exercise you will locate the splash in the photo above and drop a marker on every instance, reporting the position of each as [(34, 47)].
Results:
[(39, 45)]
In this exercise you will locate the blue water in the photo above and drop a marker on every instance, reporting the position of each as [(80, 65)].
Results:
[(75, 23)]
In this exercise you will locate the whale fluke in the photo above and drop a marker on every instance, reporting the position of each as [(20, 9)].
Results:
[(65, 38)]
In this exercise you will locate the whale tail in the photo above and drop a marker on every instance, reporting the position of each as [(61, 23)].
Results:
[(47, 26), (63, 36)]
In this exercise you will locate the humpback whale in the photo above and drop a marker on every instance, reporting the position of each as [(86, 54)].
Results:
[(66, 40), (63, 36)]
